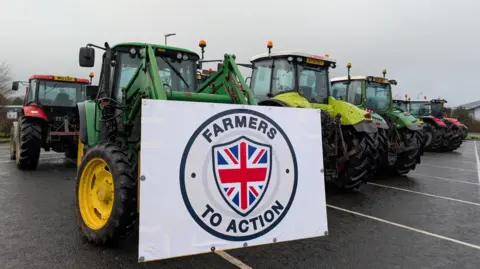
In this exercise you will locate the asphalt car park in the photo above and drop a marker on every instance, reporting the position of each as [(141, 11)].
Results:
[(429, 219)]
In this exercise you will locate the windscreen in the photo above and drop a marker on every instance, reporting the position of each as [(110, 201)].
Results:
[(176, 74), (280, 75), (314, 83), (378, 96), (420, 109), (59, 93), (437, 110), (402, 106), (350, 92)]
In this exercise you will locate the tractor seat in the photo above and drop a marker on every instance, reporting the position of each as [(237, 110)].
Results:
[(63, 99)]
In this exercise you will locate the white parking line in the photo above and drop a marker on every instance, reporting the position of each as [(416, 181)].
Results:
[(478, 161), (446, 159), (449, 179), (448, 167), (426, 194), (233, 260), (11, 161), (407, 227), (41, 154)]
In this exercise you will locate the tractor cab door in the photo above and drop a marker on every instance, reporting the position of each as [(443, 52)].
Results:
[(31, 93), (261, 79)]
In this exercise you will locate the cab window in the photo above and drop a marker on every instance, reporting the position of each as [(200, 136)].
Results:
[(262, 72)]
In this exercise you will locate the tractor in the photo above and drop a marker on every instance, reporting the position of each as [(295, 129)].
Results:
[(109, 149), (399, 134), (441, 133), (48, 119), (203, 75), (301, 80)]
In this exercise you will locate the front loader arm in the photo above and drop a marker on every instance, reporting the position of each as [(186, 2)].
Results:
[(227, 81)]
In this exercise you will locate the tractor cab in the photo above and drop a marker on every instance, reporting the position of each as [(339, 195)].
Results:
[(54, 91), (400, 105), (177, 68), (370, 92), (437, 108), (203, 75), (294, 78), (420, 108)]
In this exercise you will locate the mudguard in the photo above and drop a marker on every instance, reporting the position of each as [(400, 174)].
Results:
[(34, 112), (86, 111), (351, 114), (454, 121), (83, 123), (379, 121), (433, 120), (366, 127)]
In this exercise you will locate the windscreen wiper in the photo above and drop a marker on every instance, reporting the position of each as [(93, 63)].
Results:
[(175, 71)]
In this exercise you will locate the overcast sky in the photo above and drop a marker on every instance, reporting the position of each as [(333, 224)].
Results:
[(431, 47)]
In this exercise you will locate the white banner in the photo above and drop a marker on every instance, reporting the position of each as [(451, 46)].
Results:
[(220, 176)]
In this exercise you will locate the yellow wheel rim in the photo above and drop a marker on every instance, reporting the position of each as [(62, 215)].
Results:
[(96, 193)]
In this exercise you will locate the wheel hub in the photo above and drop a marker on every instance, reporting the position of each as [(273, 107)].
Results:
[(96, 193)]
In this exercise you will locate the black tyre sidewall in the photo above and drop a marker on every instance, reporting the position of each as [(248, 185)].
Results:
[(124, 211)]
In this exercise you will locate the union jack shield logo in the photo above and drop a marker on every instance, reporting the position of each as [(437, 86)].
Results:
[(242, 169)]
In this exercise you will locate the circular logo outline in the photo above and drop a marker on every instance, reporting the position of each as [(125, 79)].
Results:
[(183, 190)]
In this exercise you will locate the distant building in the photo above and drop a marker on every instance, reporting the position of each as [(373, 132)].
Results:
[(473, 108)]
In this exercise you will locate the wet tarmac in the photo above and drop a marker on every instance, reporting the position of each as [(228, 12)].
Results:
[(428, 219)]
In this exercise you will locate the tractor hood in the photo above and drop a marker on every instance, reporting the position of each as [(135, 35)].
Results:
[(351, 114), (405, 119), (292, 99)]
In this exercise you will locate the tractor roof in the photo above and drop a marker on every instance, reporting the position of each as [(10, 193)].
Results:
[(59, 78), (370, 78), (420, 102), (346, 78), (153, 45), (283, 54)]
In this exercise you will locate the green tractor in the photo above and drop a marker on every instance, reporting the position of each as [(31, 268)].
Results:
[(301, 80), (109, 148), (441, 133), (399, 135)]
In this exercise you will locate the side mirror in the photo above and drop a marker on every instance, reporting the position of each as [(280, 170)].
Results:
[(15, 86), (199, 65), (91, 91), (86, 57)]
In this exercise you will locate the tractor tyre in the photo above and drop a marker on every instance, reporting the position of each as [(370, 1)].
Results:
[(12, 144), (28, 144), (454, 142), (360, 166), (71, 153), (408, 160), (106, 194), (433, 137), (382, 157)]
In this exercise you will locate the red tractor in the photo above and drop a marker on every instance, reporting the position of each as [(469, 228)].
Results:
[(441, 133), (48, 119)]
